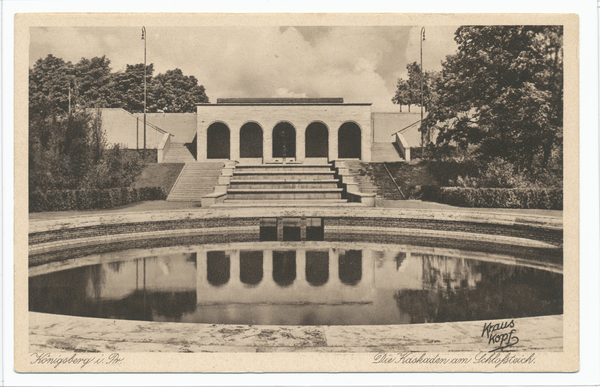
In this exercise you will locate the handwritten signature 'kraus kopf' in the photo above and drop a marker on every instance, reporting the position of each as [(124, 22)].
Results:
[(501, 340)]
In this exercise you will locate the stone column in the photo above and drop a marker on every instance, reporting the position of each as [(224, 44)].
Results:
[(333, 141), (234, 276), (267, 280), (201, 278), (234, 143), (267, 145), (201, 142), (366, 142), (301, 267), (368, 274), (334, 276), (300, 144)]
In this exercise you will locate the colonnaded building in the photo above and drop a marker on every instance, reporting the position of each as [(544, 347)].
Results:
[(285, 135)]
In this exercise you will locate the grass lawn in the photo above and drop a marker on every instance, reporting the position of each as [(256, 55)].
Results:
[(158, 175), (405, 174)]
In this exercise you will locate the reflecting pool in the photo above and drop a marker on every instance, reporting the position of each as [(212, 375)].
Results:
[(294, 283)]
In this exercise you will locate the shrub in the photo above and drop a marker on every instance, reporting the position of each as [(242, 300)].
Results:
[(548, 199), (89, 199)]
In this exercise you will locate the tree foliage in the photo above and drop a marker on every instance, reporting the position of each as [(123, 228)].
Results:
[(502, 93), (408, 91), (176, 93), (68, 152), (90, 83)]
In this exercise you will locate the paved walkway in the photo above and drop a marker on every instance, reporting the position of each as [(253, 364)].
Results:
[(162, 205), (57, 333)]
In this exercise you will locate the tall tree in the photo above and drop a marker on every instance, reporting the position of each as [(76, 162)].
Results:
[(126, 89), (176, 93), (408, 92), (502, 92), (403, 94), (49, 83), (92, 78)]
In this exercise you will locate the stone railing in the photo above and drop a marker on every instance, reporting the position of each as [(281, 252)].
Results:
[(163, 147), (402, 145)]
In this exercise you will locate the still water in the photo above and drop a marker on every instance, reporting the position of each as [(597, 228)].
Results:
[(292, 284)]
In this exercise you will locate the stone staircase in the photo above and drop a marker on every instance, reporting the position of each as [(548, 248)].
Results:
[(195, 181), (385, 152), (178, 153), (358, 172), (288, 185)]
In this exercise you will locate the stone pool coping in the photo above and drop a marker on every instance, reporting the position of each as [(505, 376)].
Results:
[(59, 333), (540, 221)]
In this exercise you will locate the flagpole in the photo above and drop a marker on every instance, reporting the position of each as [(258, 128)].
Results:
[(144, 38), (422, 38)]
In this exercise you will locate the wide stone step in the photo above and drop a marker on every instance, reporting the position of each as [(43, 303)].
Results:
[(282, 173), (302, 169), (286, 195), (288, 203), (279, 165), (282, 185), (285, 180), (195, 181), (260, 190)]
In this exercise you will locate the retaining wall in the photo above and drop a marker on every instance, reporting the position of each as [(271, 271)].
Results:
[(534, 237)]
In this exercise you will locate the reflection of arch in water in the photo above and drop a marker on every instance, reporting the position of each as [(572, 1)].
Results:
[(317, 267), (284, 267), (350, 266), (316, 140), (349, 139), (218, 267), (217, 141), (284, 140), (251, 267), (251, 140)]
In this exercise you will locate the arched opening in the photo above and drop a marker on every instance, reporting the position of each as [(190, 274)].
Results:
[(251, 267), (350, 266), (317, 267), (251, 141), (349, 141), (217, 141), (284, 267), (316, 140), (284, 140), (217, 268)]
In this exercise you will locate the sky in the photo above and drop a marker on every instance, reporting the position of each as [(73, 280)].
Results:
[(359, 64)]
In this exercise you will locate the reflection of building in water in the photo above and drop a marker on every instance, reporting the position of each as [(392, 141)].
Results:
[(285, 276), (445, 273), (168, 273)]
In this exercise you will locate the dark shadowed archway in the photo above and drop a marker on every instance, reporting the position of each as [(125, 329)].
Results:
[(251, 140), (316, 140), (350, 266), (284, 267), (218, 267), (217, 141), (349, 141), (284, 140), (251, 267), (317, 267)]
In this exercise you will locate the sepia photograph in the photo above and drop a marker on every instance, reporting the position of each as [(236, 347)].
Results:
[(297, 193)]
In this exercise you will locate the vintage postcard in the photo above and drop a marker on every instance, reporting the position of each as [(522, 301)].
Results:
[(296, 193)]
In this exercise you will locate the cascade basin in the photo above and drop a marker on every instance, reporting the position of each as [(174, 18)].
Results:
[(298, 283)]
